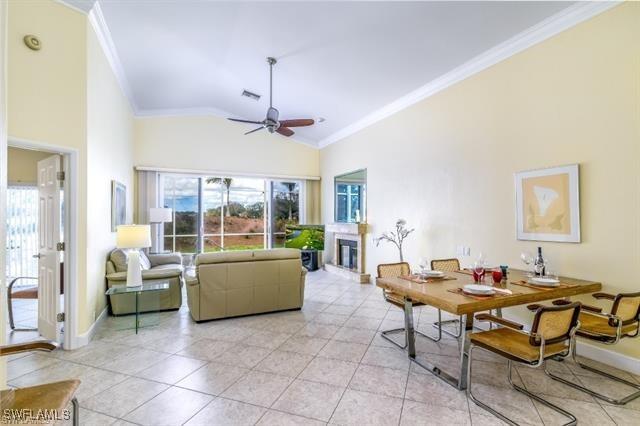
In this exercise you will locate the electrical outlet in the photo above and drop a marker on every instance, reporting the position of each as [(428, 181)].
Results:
[(463, 251)]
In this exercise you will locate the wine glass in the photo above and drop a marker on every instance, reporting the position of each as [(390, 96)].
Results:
[(423, 264), (478, 269), (527, 258)]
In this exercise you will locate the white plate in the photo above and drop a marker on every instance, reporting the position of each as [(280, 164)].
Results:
[(544, 282), (478, 289), (433, 274)]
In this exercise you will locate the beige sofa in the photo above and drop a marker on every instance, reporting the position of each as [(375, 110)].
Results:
[(154, 267), (229, 284)]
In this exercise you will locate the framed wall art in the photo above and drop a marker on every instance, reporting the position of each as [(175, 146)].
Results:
[(548, 204)]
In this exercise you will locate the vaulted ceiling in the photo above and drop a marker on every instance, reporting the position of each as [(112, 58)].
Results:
[(342, 61)]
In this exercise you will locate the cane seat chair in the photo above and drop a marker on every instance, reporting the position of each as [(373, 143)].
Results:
[(609, 328), (551, 336), (447, 265), (40, 403), (389, 270)]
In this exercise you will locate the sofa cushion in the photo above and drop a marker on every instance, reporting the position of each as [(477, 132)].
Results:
[(277, 254), (168, 266), (246, 256), (119, 260)]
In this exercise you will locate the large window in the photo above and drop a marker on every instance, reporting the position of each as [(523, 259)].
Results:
[(348, 202), (214, 214)]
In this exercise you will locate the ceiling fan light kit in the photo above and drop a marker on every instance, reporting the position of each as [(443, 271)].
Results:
[(272, 122)]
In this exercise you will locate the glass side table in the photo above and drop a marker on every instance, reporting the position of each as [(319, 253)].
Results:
[(149, 286)]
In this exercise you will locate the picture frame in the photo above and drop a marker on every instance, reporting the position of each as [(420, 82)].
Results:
[(118, 204), (548, 204)]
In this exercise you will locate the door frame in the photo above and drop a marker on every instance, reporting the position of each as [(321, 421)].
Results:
[(71, 213)]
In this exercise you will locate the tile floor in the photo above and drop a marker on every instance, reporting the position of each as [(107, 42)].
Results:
[(324, 364)]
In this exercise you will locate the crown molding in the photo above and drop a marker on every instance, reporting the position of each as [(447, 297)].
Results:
[(555, 24), (70, 6), (96, 18)]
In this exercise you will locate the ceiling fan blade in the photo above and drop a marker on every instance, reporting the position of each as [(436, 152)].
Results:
[(300, 122), (244, 121), (285, 131), (254, 130)]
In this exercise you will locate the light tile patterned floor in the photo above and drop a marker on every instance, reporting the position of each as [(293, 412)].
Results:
[(323, 364)]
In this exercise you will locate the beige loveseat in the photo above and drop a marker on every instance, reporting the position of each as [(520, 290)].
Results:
[(154, 267), (229, 284)]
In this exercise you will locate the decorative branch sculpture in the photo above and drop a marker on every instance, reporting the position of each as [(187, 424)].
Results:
[(396, 237)]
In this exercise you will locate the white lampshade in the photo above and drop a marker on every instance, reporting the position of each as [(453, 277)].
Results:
[(160, 215), (133, 236)]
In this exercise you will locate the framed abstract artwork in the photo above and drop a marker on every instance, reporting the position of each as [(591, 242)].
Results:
[(118, 204), (548, 204)]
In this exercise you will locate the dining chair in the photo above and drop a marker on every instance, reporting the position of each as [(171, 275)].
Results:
[(447, 265), (27, 292), (392, 270), (42, 401), (552, 335), (622, 322)]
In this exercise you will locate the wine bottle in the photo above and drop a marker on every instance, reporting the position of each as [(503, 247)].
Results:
[(540, 261)]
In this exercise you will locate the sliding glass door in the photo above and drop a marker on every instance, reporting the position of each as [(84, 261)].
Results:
[(244, 217), (182, 195), (285, 209), (215, 214)]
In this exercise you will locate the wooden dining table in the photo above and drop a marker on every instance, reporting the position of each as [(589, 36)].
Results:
[(445, 294)]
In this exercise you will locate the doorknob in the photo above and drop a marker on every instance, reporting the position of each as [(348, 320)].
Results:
[(38, 256)]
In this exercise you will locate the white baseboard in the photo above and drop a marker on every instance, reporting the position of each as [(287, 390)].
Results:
[(605, 356), (84, 338)]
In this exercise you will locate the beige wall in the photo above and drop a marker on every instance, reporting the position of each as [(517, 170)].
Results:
[(214, 143), (446, 164), (23, 164), (110, 157), (47, 92), (65, 96)]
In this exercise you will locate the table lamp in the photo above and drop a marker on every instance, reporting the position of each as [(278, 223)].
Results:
[(131, 238)]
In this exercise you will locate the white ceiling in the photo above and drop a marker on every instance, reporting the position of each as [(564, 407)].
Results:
[(337, 60)]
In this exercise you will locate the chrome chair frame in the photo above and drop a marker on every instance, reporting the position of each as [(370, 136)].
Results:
[(10, 304), (385, 334), (610, 341), (540, 362)]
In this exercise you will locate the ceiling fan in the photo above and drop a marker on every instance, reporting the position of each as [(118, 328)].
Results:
[(271, 122)]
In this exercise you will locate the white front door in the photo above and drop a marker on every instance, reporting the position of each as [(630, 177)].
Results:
[(48, 256)]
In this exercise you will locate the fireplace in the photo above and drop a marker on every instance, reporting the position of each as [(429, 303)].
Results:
[(347, 255)]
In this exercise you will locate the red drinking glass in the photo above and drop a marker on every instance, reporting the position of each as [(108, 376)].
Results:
[(497, 276)]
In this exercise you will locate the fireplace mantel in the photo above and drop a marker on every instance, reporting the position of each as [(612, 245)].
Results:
[(347, 228), (352, 232)]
